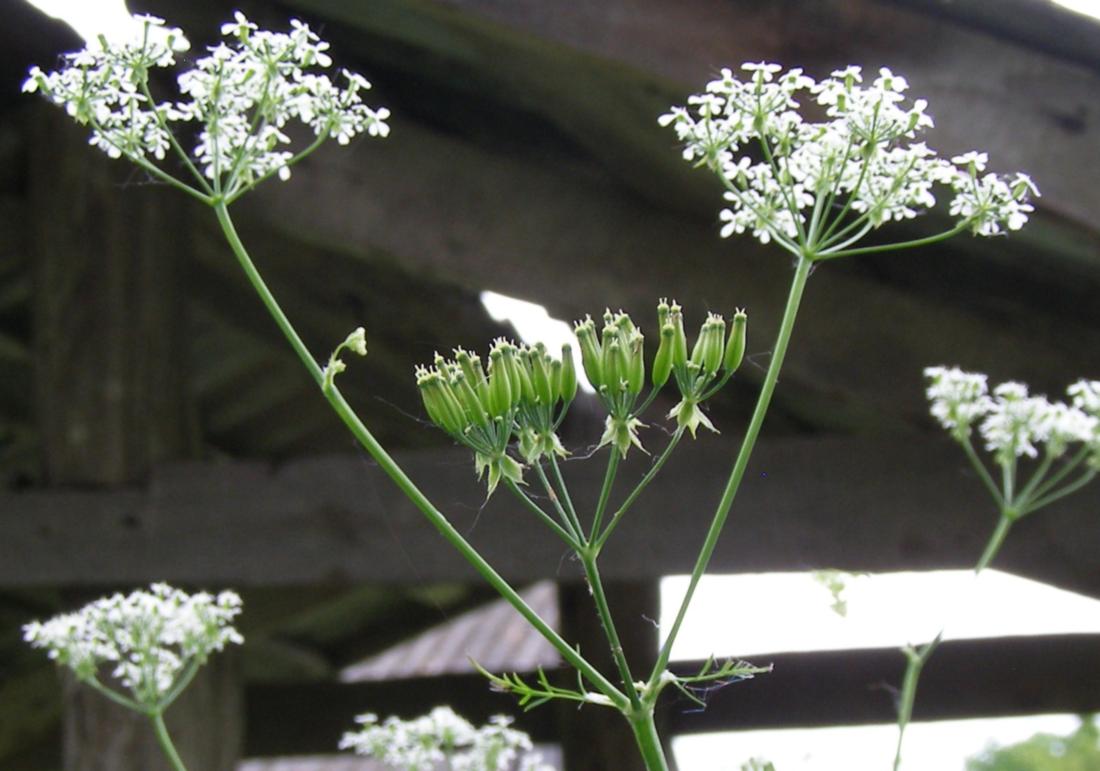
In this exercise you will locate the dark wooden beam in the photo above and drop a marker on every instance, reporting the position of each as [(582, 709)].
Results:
[(1009, 92), (112, 400), (873, 505), (970, 678)]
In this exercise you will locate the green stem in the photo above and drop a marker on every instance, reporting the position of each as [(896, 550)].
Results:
[(238, 191), (656, 467), (827, 255), (603, 610), (175, 145), (181, 683), (397, 474), (1036, 478), (550, 522), (798, 285), (573, 528), (116, 697), (983, 472), (605, 494), (649, 743), (166, 741), (564, 492), (1069, 489), (996, 540), (1065, 470), (916, 661)]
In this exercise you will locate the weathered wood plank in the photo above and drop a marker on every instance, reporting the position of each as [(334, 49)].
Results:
[(112, 400), (846, 503), (1030, 108), (968, 678)]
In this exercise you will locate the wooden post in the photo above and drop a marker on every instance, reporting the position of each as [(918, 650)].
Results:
[(111, 347), (596, 738)]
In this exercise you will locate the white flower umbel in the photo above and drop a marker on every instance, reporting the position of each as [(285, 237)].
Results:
[(818, 187), (236, 102), (148, 642), (441, 736), (1017, 426)]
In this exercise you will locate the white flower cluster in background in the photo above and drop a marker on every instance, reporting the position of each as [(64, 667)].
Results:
[(1012, 422), (240, 98), (146, 638), (423, 743), (825, 184)]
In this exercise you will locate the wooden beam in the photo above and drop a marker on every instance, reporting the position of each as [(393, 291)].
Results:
[(856, 504), (969, 678), (112, 400), (1031, 108)]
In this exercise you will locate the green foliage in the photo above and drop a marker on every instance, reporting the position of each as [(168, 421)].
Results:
[(1080, 751)]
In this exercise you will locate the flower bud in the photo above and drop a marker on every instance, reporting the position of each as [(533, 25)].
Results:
[(714, 338), (540, 378), (613, 365), (511, 366), (521, 364), (454, 416), (662, 313), (567, 380), (467, 397), (635, 372), (679, 339), (500, 386), (470, 364), (700, 344), (425, 382), (662, 362), (735, 348), (591, 355)]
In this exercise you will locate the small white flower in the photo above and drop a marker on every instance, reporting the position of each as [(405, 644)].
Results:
[(958, 398)]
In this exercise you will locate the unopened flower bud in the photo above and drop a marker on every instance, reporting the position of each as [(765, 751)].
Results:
[(662, 313), (735, 347), (470, 364), (679, 339), (500, 386), (567, 381), (614, 365), (454, 416), (662, 362), (467, 397), (540, 378), (635, 373), (591, 354), (714, 338)]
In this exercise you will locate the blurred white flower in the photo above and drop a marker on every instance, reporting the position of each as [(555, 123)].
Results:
[(146, 638)]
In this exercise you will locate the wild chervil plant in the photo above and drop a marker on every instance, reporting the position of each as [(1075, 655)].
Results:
[(149, 643), (815, 189), (1014, 426)]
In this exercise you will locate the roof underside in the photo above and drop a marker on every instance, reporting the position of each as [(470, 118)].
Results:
[(525, 159)]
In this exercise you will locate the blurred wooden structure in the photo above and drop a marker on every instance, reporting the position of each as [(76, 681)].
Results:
[(153, 425)]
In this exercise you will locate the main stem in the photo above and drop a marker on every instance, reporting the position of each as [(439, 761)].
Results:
[(166, 741), (649, 743), (798, 285), (397, 474)]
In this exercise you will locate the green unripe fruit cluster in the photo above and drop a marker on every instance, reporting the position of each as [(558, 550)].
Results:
[(460, 394)]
